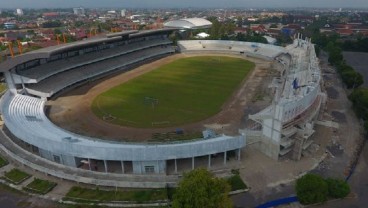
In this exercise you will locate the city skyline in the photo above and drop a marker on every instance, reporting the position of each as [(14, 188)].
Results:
[(186, 4)]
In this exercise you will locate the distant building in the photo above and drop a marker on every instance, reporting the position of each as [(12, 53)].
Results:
[(13, 36), (202, 35), (270, 40), (190, 23), (79, 11), (258, 28), (122, 13), (19, 12), (50, 15), (9, 25)]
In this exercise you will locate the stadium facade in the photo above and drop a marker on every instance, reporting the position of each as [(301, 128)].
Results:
[(286, 126), (34, 77)]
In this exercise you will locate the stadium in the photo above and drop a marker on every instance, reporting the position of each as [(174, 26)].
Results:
[(37, 78)]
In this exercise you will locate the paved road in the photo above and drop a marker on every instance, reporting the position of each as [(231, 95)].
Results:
[(249, 199), (10, 199)]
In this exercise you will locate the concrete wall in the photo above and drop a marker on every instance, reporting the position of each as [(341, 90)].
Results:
[(139, 166), (49, 137), (68, 160)]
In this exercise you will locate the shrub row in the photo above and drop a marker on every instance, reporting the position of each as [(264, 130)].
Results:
[(312, 188), (350, 77)]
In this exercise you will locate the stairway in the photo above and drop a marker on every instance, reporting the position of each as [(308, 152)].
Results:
[(298, 147)]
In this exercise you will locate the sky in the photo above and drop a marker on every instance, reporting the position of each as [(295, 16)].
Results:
[(183, 3)]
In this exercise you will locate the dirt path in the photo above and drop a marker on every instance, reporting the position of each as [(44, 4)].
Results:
[(72, 109)]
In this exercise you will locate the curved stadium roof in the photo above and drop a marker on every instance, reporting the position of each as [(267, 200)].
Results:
[(190, 23)]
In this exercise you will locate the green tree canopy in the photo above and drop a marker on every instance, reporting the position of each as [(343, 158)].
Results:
[(311, 189), (337, 188), (359, 98), (199, 188)]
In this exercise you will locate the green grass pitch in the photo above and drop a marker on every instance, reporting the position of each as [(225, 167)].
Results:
[(184, 91)]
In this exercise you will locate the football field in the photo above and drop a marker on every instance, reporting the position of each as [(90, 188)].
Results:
[(184, 91)]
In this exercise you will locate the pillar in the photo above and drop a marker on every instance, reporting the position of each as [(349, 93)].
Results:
[(192, 163), (105, 163), (176, 166), (209, 161), (158, 168), (89, 164), (239, 151), (225, 156), (122, 167)]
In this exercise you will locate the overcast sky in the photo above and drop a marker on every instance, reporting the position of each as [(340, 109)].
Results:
[(181, 3)]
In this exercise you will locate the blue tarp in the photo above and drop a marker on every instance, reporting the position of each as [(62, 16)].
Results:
[(278, 202)]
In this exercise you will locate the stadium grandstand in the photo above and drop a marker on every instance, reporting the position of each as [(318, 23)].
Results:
[(286, 126), (34, 77)]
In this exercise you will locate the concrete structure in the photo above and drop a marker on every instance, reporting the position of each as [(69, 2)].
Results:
[(270, 40), (19, 12), (34, 77), (123, 13), (79, 11), (287, 125), (202, 35), (10, 25), (257, 50)]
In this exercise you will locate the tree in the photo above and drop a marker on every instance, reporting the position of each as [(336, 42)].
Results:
[(311, 189), (337, 188), (199, 188), (359, 98)]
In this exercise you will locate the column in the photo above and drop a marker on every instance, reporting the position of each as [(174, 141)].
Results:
[(105, 163), (176, 166), (158, 168), (239, 151), (89, 164), (122, 167), (192, 163), (209, 161), (225, 155)]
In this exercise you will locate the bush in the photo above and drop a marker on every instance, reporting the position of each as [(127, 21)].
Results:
[(337, 188), (311, 189), (359, 98), (236, 183), (349, 76)]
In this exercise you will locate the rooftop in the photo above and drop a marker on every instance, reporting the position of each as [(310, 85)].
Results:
[(189, 23)]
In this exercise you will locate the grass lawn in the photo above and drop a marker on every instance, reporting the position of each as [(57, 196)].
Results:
[(184, 91), (16, 176), (137, 195), (2, 87), (236, 183), (3, 162), (40, 186)]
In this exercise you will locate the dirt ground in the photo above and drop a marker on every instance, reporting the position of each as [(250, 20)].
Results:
[(72, 109)]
